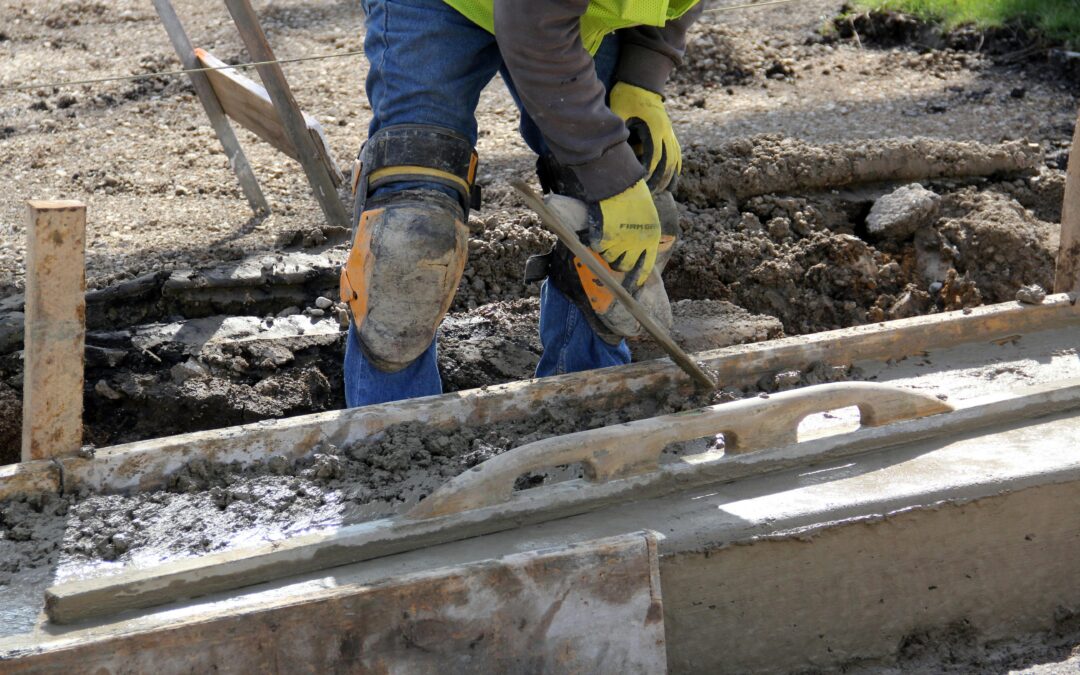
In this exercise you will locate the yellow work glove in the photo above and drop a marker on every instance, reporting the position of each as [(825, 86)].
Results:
[(651, 134), (626, 231)]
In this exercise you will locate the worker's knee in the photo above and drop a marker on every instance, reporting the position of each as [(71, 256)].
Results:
[(408, 253), (409, 245)]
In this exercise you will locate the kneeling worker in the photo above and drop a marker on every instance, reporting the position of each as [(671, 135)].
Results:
[(588, 77)]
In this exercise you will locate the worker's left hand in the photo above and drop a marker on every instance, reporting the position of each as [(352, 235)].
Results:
[(629, 231), (651, 134)]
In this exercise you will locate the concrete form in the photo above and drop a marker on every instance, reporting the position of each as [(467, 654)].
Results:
[(526, 612), (828, 558), (811, 566), (146, 464)]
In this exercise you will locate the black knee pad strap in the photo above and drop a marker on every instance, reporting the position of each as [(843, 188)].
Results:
[(417, 152)]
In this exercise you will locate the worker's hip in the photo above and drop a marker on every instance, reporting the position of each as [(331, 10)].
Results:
[(429, 65)]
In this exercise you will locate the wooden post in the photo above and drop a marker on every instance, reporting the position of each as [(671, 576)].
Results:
[(291, 117), (55, 329), (1067, 279), (248, 183)]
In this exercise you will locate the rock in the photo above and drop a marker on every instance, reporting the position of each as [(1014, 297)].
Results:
[(312, 238), (912, 302), (325, 467), (103, 389), (288, 311), (900, 213), (182, 372), (323, 302), (1032, 294), (121, 542), (277, 465)]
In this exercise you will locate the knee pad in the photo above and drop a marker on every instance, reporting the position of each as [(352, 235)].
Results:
[(409, 247)]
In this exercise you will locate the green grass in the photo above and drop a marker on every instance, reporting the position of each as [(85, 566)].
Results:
[(1057, 19)]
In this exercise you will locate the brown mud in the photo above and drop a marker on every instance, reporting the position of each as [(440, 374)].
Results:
[(774, 164)]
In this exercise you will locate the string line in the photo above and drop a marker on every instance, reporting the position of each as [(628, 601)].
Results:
[(255, 64)]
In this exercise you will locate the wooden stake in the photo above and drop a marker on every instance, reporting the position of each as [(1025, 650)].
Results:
[(237, 160), (1067, 279), (55, 329), (291, 117), (248, 104)]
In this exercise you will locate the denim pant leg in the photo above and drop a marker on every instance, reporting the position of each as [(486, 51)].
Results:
[(428, 66), (569, 342)]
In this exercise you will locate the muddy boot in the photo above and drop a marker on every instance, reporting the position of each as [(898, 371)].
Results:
[(409, 247)]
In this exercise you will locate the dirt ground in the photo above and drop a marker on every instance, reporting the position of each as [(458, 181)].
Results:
[(768, 99), (763, 90)]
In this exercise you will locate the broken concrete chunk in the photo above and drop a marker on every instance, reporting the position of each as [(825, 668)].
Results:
[(912, 302), (182, 372), (900, 213), (1032, 294), (701, 325), (103, 389)]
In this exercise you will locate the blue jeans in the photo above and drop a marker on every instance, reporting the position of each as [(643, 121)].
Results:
[(428, 66)]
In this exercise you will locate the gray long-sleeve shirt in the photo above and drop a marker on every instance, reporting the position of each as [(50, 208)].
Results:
[(555, 77)]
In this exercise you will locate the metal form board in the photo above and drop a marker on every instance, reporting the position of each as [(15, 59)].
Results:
[(590, 607)]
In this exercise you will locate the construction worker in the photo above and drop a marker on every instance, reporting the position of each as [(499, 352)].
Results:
[(584, 74)]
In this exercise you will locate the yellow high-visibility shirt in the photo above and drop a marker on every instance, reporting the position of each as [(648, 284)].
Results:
[(601, 18)]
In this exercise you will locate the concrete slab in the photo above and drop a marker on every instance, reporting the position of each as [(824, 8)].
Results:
[(821, 565), (828, 510)]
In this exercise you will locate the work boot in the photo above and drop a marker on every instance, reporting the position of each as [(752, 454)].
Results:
[(409, 246)]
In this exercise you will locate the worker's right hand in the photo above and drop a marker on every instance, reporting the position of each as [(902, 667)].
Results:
[(625, 230), (651, 134)]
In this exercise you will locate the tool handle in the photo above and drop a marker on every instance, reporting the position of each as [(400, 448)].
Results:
[(634, 448), (569, 239)]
